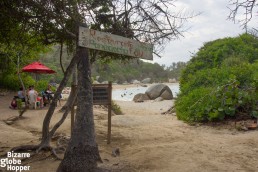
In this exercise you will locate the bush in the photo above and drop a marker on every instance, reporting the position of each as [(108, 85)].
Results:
[(28, 80), (214, 104), (214, 54), (220, 82), (191, 107), (116, 108), (41, 85), (12, 82)]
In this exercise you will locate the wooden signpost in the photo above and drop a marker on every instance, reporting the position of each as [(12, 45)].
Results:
[(97, 40), (102, 95), (93, 39)]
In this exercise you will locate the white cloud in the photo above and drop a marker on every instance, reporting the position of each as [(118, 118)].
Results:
[(210, 25)]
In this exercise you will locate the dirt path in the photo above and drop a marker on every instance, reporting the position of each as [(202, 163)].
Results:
[(162, 143), (147, 140)]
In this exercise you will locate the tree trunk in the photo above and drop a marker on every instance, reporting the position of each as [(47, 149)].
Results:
[(72, 93), (21, 111), (45, 130), (82, 153)]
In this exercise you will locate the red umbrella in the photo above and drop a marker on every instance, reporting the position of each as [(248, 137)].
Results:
[(37, 67)]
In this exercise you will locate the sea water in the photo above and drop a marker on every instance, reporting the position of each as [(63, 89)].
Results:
[(127, 94)]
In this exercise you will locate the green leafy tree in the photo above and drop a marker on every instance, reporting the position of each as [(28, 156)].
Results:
[(120, 71), (175, 69), (213, 54), (220, 81), (17, 44)]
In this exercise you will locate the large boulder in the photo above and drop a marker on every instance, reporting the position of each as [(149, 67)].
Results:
[(167, 94), (135, 81), (159, 90), (95, 82), (104, 82), (172, 80), (140, 97), (159, 99), (146, 81)]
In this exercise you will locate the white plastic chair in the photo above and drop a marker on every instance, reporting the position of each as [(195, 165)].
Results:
[(33, 100)]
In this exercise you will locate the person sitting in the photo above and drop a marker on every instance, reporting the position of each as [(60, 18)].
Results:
[(21, 94), (34, 98), (49, 93), (13, 104)]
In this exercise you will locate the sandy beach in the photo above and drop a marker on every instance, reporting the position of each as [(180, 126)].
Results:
[(148, 141), (119, 86)]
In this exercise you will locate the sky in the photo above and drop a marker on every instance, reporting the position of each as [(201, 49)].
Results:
[(210, 25)]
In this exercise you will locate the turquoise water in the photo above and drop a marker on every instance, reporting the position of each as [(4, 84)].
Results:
[(128, 93)]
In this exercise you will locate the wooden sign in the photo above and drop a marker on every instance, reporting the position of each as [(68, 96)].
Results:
[(113, 43), (101, 94)]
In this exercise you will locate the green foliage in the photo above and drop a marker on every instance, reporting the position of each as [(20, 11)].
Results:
[(224, 88), (188, 107), (215, 104), (24, 46), (22, 109), (120, 71), (41, 85), (12, 82), (213, 54), (116, 108), (28, 81), (117, 70), (19, 103), (175, 69), (16, 43), (235, 99)]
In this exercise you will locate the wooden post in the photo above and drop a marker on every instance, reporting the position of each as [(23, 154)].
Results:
[(109, 112)]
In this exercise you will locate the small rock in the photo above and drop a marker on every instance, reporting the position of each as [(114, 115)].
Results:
[(244, 128), (146, 80), (135, 82), (172, 80), (144, 85), (104, 82), (140, 97), (95, 82), (173, 114), (115, 152)]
